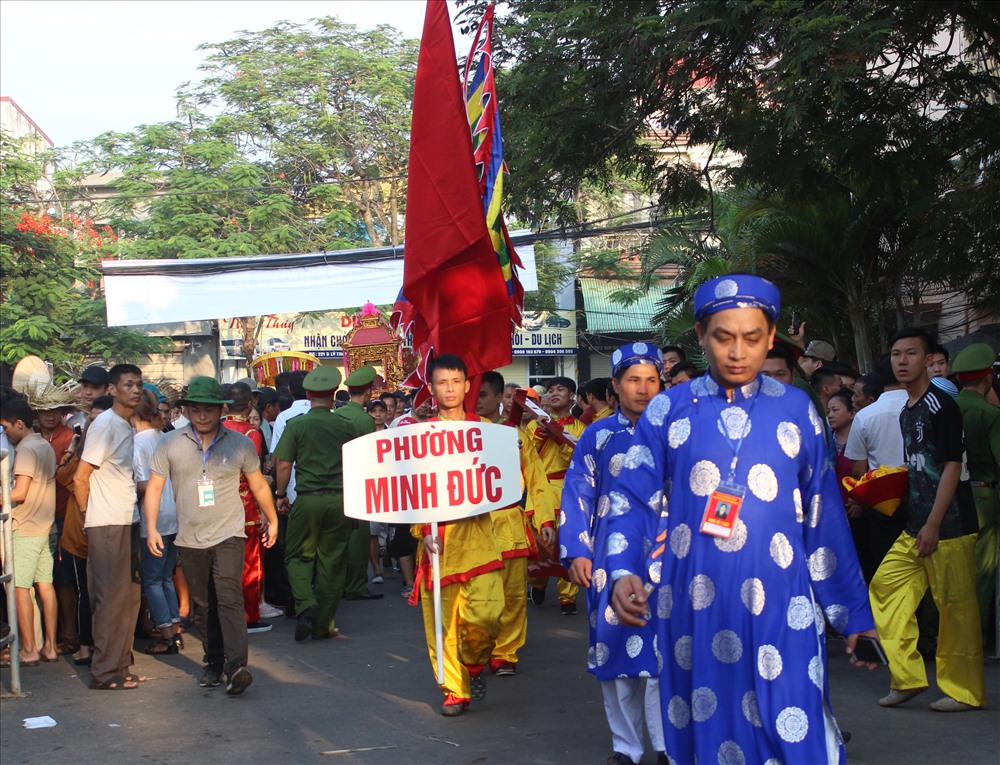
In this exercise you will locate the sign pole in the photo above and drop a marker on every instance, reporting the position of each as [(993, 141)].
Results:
[(438, 636)]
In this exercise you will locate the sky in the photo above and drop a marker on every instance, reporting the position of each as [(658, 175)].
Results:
[(82, 68)]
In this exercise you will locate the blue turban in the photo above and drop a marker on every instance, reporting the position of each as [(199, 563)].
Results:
[(635, 353), (737, 291)]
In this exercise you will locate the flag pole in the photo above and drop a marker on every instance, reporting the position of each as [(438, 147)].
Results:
[(438, 631)]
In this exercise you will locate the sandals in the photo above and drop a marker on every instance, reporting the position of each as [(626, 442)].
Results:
[(162, 646), (115, 683)]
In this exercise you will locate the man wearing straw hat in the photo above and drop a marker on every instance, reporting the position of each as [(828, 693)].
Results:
[(205, 462)]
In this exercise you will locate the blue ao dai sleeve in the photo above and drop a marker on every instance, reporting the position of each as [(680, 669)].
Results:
[(637, 497), (579, 502), (831, 556)]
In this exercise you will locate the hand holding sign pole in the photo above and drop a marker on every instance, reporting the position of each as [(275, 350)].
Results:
[(432, 473)]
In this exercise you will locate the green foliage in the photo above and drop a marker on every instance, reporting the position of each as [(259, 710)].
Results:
[(296, 140), (52, 304), (552, 277)]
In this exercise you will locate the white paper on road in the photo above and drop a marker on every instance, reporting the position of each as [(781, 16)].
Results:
[(39, 722)]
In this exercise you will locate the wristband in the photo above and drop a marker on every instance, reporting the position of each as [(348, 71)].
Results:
[(282, 495)]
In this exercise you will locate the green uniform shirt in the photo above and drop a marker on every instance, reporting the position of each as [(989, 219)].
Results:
[(981, 421), (356, 414), (313, 442)]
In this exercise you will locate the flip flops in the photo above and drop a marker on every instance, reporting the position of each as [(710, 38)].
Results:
[(114, 683)]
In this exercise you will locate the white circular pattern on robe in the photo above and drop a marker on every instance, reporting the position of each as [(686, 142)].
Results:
[(601, 654), (638, 455), (820, 620), (736, 540), (703, 704), (731, 754), (781, 550), (640, 349), (816, 671), (822, 564), (704, 478), (617, 543), (678, 712), (602, 438), (600, 579), (603, 505), (815, 508), (800, 614), (814, 418), (593, 620), (616, 357), (683, 651), (678, 432), (680, 540), (618, 573), (736, 421), (792, 724), (562, 517), (769, 663), (726, 288), (658, 655), (633, 646), (590, 463), (771, 387), (702, 592), (656, 503), (838, 616), (763, 482), (610, 616), (665, 601), (752, 595), (797, 504), (619, 504), (563, 552), (773, 760), (789, 438), (750, 709), (654, 571), (615, 464), (591, 658), (658, 409), (726, 646)]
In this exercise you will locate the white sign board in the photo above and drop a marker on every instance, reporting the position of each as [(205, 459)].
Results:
[(431, 472)]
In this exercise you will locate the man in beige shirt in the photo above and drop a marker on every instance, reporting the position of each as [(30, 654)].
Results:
[(34, 515)]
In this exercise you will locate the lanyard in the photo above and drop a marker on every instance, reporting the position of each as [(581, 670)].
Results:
[(735, 448), (206, 455)]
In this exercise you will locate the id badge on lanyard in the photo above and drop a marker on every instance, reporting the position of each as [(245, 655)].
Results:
[(723, 505), (206, 493)]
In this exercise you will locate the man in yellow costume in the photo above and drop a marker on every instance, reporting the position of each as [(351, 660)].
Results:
[(555, 459), (471, 569), (510, 526)]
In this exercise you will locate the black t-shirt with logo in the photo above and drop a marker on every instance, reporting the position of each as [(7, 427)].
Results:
[(932, 436)]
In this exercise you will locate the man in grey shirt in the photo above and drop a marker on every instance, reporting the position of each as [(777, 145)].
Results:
[(204, 461)]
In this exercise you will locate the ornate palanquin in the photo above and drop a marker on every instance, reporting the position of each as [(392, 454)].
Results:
[(372, 341), (265, 368)]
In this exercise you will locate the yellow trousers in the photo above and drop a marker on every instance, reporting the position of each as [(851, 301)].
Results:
[(567, 590), (896, 591), (987, 549), (514, 619), (470, 620)]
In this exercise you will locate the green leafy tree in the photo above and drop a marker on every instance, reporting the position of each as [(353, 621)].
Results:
[(51, 304)]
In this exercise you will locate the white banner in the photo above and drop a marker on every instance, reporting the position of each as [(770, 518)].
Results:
[(434, 471)]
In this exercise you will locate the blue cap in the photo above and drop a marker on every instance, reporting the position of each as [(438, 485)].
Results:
[(737, 291), (635, 353), (155, 391), (943, 383)]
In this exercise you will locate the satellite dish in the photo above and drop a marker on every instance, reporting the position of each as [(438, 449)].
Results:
[(31, 372)]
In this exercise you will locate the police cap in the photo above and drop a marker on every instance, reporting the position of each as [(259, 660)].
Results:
[(322, 379), (361, 377), (975, 358)]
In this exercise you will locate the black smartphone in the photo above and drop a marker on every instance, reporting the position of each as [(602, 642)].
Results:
[(870, 650), (796, 322)]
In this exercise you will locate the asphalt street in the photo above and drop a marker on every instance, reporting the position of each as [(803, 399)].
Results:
[(373, 688)]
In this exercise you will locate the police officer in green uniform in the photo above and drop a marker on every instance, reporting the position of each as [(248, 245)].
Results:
[(981, 421), (318, 532), (359, 386)]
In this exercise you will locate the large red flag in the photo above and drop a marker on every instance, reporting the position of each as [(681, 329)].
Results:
[(451, 277)]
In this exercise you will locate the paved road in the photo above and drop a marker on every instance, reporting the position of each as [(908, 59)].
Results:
[(373, 687)]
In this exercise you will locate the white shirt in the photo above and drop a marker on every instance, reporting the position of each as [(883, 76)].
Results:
[(144, 445), (112, 484), (297, 408), (875, 433)]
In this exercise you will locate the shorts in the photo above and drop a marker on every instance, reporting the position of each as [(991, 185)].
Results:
[(33, 559), (402, 544), (64, 571)]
